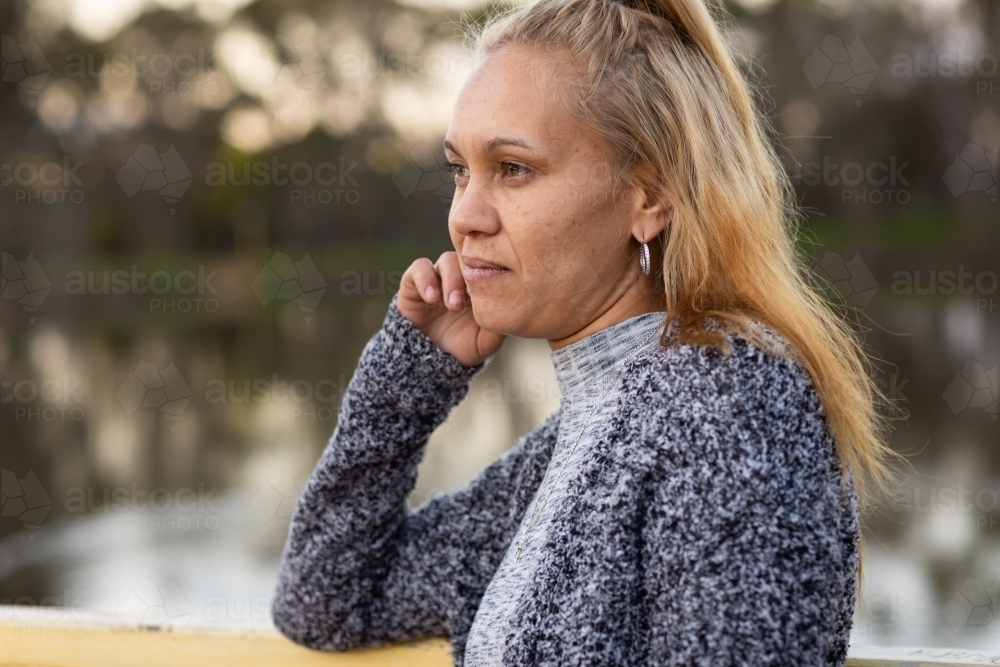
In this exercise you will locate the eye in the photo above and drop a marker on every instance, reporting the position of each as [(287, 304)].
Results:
[(507, 166), (454, 169)]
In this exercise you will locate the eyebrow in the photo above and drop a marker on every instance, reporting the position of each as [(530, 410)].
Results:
[(494, 143)]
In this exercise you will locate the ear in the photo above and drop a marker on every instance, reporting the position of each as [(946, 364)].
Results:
[(650, 215)]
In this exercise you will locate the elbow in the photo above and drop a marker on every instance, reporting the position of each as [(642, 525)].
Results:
[(308, 626), (292, 621)]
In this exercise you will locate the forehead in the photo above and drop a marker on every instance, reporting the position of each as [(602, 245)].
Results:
[(515, 92)]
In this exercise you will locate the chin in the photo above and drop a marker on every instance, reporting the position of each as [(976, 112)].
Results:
[(497, 315)]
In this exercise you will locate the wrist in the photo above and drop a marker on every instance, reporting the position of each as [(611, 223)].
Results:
[(413, 359)]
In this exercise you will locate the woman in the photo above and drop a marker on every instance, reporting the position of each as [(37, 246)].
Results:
[(694, 499)]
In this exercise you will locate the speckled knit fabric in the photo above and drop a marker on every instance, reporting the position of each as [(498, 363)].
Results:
[(707, 525), (586, 372)]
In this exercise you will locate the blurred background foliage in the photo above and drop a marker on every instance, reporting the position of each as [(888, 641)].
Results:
[(205, 207)]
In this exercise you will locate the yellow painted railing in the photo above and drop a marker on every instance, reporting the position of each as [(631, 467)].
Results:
[(47, 637)]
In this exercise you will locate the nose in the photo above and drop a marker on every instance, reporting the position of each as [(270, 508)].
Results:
[(472, 211)]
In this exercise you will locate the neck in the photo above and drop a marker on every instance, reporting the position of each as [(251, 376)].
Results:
[(628, 306)]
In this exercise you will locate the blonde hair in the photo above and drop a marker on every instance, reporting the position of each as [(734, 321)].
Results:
[(656, 81)]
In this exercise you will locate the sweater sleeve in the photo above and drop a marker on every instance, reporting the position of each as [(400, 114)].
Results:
[(743, 535), (359, 569)]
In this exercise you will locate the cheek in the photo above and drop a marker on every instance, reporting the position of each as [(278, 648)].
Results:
[(533, 233), (581, 251)]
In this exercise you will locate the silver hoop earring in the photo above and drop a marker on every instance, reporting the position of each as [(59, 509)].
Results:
[(644, 257)]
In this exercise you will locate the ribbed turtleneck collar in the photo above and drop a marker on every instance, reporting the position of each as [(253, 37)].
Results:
[(580, 365)]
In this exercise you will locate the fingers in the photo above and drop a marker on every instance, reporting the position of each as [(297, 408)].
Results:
[(425, 280), (438, 283), (452, 283)]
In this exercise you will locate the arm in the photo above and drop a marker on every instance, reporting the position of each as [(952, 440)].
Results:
[(744, 551), (360, 569)]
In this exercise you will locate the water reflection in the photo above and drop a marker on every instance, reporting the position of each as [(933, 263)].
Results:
[(209, 556), (205, 555), (208, 568)]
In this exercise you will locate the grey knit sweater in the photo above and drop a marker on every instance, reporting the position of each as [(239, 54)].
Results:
[(707, 526), (587, 373)]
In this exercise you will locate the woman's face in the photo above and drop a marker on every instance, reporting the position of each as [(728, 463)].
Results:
[(533, 198)]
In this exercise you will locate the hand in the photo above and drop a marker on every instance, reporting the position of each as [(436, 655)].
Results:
[(434, 297)]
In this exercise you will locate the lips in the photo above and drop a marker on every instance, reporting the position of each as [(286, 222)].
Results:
[(479, 263), (479, 270)]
